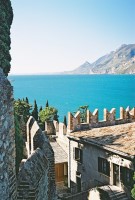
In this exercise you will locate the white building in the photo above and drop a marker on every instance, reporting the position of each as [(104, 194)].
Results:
[(102, 156)]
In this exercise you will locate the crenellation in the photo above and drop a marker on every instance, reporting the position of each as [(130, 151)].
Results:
[(56, 125), (39, 167), (132, 113), (50, 128), (92, 119), (62, 128), (70, 121), (109, 116), (127, 114)]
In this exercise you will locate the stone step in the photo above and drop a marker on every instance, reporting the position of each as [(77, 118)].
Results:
[(118, 196), (114, 192)]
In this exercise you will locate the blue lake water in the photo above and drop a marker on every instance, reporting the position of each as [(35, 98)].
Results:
[(68, 92)]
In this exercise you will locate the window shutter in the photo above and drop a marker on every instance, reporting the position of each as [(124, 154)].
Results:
[(99, 164), (108, 168)]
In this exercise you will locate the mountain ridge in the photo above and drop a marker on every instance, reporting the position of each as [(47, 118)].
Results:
[(120, 61)]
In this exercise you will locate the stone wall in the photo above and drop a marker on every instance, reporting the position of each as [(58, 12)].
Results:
[(33, 177), (37, 174), (50, 128), (126, 116), (7, 141)]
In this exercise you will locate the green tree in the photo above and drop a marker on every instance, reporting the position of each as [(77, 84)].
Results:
[(47, 104), (65, 121), (48, 114), (18, 143), (35, 111), (83, 112), (133, 185), (27, 100), (22, 108), (133, 192), (40, 109)]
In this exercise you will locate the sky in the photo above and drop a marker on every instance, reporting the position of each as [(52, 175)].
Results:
[(59, 35)]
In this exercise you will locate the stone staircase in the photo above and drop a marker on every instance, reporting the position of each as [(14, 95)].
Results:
[(114, 192)]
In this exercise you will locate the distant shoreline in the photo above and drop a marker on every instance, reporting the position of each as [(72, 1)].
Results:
[(69, 74)]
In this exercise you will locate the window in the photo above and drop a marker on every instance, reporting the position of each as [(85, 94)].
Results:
[(126, 175), (78, 154), (103, 166)]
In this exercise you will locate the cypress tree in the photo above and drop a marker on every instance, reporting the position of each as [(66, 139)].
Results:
[(18, 143), (40, 109), (47, 104), (35, 111), (56, 117), (65, 121), (27, 100)]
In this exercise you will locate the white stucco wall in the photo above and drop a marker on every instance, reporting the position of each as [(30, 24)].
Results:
[(89, 167)]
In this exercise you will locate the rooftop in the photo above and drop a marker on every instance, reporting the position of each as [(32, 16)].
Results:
[(118, 137), (59, 154)]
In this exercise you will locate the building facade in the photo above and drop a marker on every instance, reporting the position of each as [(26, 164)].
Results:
[(102, 156)]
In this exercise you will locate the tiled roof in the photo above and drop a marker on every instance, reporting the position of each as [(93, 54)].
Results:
[(59, 154), (117, 137)]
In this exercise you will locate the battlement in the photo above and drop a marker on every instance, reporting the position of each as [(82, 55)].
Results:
[(92, 119), (39, 167), (60, 128)]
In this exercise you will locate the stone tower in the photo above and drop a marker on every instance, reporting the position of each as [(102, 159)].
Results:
[(7, 132)]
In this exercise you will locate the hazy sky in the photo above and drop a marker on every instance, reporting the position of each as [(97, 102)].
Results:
[(58, 35)]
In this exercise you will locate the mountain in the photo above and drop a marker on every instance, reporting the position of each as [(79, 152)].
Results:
[(121, 61)]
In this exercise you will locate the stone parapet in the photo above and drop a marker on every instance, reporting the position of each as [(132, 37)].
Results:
[(92, 119), (33, 177), (40, 164)]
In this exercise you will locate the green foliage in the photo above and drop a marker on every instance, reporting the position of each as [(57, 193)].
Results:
[(133, 192), (40, 109), (18, 143), (56, 117), (83, 112), (48, 114), (133, 189), (35, 111), (27, 100), (65, 121), (6, 17), (22, 108)]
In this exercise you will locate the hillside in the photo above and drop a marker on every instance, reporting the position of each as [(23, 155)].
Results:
[(121, 61)]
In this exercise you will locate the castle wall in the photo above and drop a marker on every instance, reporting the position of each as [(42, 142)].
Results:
[(61, 138), (7, 141), (37, 174), (33, 177), (50, 128)]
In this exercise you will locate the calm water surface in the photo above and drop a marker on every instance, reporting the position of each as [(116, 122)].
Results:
[(68, 92)]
